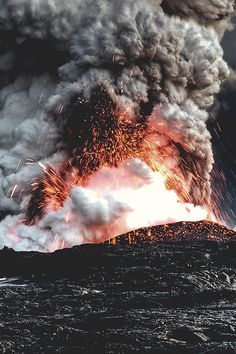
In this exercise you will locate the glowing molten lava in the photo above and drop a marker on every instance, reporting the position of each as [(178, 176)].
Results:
[(115, 179)]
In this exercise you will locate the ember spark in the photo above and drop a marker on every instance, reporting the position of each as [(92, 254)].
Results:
[(106, 137)]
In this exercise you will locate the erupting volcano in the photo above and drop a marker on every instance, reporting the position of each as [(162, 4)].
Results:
[(115, 159), (108, 134)]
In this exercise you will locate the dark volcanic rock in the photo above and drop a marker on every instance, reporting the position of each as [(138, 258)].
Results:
[(199, 230), (167, 297)]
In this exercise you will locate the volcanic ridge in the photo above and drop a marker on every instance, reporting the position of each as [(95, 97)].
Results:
[(191, 231)]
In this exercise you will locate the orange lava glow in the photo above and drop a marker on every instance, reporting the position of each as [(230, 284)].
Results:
[(179, 231), (114, 137)]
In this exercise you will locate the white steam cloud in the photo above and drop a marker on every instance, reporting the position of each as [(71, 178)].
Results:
[(114, 202)]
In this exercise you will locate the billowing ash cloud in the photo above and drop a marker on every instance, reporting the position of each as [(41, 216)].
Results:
[(216, 13), (164, 70)]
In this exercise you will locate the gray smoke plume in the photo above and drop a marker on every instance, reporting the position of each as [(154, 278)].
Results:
[(159, 65), (215, 13)]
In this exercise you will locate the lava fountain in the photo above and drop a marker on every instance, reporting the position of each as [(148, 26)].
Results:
[(115, 180)]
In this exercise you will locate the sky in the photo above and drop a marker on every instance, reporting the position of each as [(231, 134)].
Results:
[(222, 126)]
